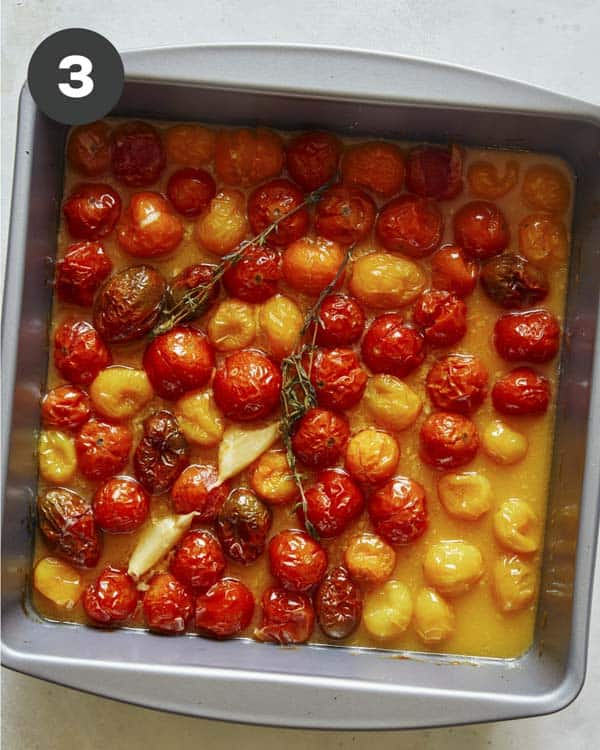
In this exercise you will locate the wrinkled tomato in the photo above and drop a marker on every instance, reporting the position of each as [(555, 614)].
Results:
[(521, 392), (242, 526), (458, 383), (288, 617), (271, 201), (297, 560), (481, 229), (247, 386), (448, 440), (453, 271), (513, 282), (398, 510), (197, 490), (111, 598), (92, 210), (392, 347), (345, 214), (79, 353), (312, 159), (533, 336), (65, 407), (341, 321), (332, 503), (80, 272), (311, 264), (198, 560), (375, 166), (434, 172), (102, 449), (225, 610), (191, 191), (338, 604), (162, 453), (337, 377), (89, 149), (149, 228), (138, 157), (198, 274), (442, 317), (254, 278), (66, 520), (320, 438), (168, 604), (411, 225), (121, 505)]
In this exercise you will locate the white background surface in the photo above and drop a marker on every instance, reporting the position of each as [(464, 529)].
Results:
[(552, 43)]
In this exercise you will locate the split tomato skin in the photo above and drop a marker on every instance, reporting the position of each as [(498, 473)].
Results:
[(168, 604), (320, 438), (531, 336), (81, 272), (197, 490), (247, 386), (457, 383), (521, 392), (333, 502), (338, 378), (121, 505), (312, 159), (66, 407), (448, 440), (288, 617), (411, 225), (79, 352), (191, 191), (225, 610), (398, 511), (138, 156), (442, 316), (297, 560), (92, 210), (392, 347), (112, 598), (272, 200)]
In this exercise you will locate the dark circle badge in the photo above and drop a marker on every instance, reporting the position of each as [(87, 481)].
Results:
[(75, 76)]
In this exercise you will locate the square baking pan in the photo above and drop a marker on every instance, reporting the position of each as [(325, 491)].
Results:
[(354, 93)]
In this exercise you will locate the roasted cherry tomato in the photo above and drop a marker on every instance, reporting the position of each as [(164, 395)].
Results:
[(481, 229), (111, 598), (545, 189), (398, 510), (272, 200), (458, 383), (65, 407), (178, 361), (196, 489), (288, 617), (246, 157), (162, 453), (448, 440), (411, 225), (149, 228), (310, 264), (442, 317), (168, 604), (120, 505), (521, 392), (254, 278), (247, 386), (374, 165), (198, 274), (390, 346), (138, 157), (80, 272), (225, 610), (297, 560), (345, 214), (189, 144), (67, 522), (371, 456), (222, 227), (434, 172), (453, 271), (242, 526), (486, 181), (332, 503), (89, 149), (338, 603), (341, 321), (543, 239), (512, 281), (337, 377), (92, 210), (79, 353), (102, 449), (191, 191), (532, 336), (198, 560), (312, 159), (320, 438)]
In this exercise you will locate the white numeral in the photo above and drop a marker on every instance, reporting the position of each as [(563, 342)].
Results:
[(81, 76)]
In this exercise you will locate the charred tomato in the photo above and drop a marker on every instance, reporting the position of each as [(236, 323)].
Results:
[(66, 520), (162, 453), (242, 526), (511, 281), (338, 604)]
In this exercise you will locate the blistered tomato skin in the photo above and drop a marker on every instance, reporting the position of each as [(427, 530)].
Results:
[(411, 225), (254, 278), (111, 598), (333, 502), (65, 408), (288, 617), (121, 505), (162, 453), (178, 361), (513, 282), (481, 229), (198, 560), (320, 438), (89, 149), (338, 378), (372, 456), (375, 166), (191, 191), (532, 336), (521, 392), (310, 264), (345, 214), (398, 511), (138, 157), (458, 383), (442, 316), (80, 273), (341, 321), (196, 490), (312, 159), (448, 440), (242, 526), (434, 172), (79, 353), (66, 520), (247, 386), (273, 200), (297, 560), (102, 449), (246, 157), (453, 271), (168, 604), (149, 229), (91, 210), (225, 610), (392, 347), (338, 603)]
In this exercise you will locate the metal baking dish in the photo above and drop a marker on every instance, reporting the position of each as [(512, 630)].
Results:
[(314, 686)]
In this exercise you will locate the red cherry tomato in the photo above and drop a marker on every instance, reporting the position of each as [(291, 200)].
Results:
[(453, 271), (89, 149), (111, 598), (191, 191), (320, 438), (338, 603), (198, 561), (225, 610), (375, 165), (521, 392), (411, 225), (102, 449), (247, 386), (120, 505), (533, 336), (398, 510), (345, 214), (481, 229), (312, 159), (434, 172), (458, 383), (80, 273), (196, 489), (341, 321), (337, 377), (178, 361), (79, 352), (272, 200), (288, 617), (92, 210), (448, 440), (297, 560), (138, 157), (149, 228), (442, 317), (332, 503), (168, 604), (390, 346), (254, 278), (66, 408), (198, 274)]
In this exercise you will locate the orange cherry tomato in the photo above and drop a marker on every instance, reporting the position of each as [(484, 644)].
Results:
[(310, 264), (486, 182), (120, 505), (190, 145), (312, 159), (102, 449), (288, 617), (225, 610), (411, 225), (91, 210), (458, 383), (434, 172), (138, 157), (111, 598), (246, 157), (545, 189), (448, 440), (196, 490), (345, 214), (198, 560), (333, 502), (376, 166), (89, 149), (149, 228), (65, 408)]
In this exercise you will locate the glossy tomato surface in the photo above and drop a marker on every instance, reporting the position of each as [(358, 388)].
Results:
[(168, 604), (337, 377), (92, 210), (398, 510), (246, 157), (521, 392), (162, 452), (80, 273), (66, 407), (341, 321), (312, 159), (102, 449), (338, 604), (345, 214), (532, 336), (481, 229), (411, 225), (448, 440), (458, 383), (320, 437), (375, 166), (297, 560), (197, 490), (121, 505), (225, 610), (79, 352), (198, 560), (442, 316), (272, 201), (111, 598), (288, 617), (247, 386), (255, 277), (191, 191), (333, 502), (453, 271), (89, 149), (149, 228), (511, 281), (392, 347)]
